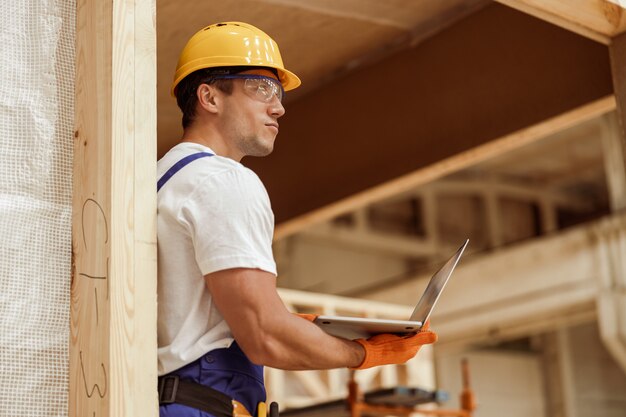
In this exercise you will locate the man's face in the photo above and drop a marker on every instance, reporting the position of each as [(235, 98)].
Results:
[(250, 124)]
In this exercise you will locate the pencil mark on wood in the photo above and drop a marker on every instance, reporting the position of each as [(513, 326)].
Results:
[(92, 221), (95, 295), (100, 215), (101, 393), (91, 276), (106, 225), (108, 281)]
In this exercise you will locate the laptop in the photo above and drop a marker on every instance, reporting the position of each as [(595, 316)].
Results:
[(357, 327)]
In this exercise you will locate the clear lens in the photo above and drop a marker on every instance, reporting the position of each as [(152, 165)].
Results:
[(264, 88), (259, 87)]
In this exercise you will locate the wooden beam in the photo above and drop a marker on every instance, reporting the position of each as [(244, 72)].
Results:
[(493, 73), (532, 286), (449, 165), (612, 283), (371, 240), (617, 54), (598, 20), (330, 304), (113, 294), (491, 191), (613, 150), (566, 367)]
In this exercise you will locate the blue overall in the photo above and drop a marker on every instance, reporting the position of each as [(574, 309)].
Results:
[(227, 370)]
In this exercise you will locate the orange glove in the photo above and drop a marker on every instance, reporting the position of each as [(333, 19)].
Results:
[(309, 317), (387, 348)]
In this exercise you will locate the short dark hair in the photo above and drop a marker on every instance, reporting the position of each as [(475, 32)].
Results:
[(186, 90)]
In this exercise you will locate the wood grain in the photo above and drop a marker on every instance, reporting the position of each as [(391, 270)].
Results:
[(113, 304), (599, 20)]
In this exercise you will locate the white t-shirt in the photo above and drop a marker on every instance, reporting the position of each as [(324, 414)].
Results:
[(213, 214)]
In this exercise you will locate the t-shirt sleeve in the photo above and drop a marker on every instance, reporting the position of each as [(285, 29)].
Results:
[(231, 222)]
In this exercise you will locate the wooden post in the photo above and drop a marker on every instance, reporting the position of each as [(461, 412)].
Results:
[(617, 52), (614, 167), (113, 298), (611, 300)]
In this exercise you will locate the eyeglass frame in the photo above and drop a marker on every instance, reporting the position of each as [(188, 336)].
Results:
[(273, 81)]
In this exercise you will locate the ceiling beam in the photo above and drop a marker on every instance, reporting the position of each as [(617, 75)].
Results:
[(449, 14), (598, 20), (381, 13), (507, 143), (375, 13), (493, 73)]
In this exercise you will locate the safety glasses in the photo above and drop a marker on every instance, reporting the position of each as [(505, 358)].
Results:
[(259, 87)]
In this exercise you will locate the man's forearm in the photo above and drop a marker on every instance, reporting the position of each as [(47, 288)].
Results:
[(268, 333), (292, 343)]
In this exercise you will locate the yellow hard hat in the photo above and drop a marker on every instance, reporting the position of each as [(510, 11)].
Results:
[(231, 44)]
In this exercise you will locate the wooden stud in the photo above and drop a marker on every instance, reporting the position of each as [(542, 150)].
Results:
[(548, 216), (567, 372), (113, 295), (613, 150), (597, 20), (617, 53), (611, 299), (493, 216)]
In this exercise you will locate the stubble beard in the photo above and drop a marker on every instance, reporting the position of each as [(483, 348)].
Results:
[(255, 146)]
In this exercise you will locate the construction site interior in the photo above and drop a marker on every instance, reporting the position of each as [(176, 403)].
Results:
[(390, 90), (418, 125)]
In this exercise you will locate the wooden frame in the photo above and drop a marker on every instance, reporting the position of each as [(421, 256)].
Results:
[(611, 300), (113, 304), (598, 20), (449, 165), (113, 294)]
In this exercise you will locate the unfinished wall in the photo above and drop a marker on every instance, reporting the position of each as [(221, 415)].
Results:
[(505, 383), (599, 384), (565, 373), (36, 118)]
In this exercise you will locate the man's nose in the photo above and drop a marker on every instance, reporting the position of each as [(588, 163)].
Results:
[(276, 107)]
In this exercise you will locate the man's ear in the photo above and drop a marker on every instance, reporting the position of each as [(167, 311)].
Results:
[(208, 97)]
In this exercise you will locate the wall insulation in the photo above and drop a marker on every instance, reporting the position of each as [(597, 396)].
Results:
[(36, 120)]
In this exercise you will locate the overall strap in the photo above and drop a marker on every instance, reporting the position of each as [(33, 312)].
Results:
[(178, 166)]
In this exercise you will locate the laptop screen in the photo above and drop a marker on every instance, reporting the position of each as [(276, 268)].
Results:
[(428, 300)]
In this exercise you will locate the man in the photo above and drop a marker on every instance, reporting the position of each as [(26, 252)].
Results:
[(220, 316)]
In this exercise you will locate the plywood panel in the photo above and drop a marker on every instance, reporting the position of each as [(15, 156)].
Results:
[(493, 73)]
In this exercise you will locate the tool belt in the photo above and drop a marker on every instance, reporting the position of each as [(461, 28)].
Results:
[(172, 389)]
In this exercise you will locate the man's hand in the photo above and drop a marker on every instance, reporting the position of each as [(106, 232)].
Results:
[(386, 348)]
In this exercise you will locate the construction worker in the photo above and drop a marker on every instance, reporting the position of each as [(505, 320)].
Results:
[(220, 317)]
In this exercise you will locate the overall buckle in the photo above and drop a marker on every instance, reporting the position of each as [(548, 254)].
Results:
[(168, 386)]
